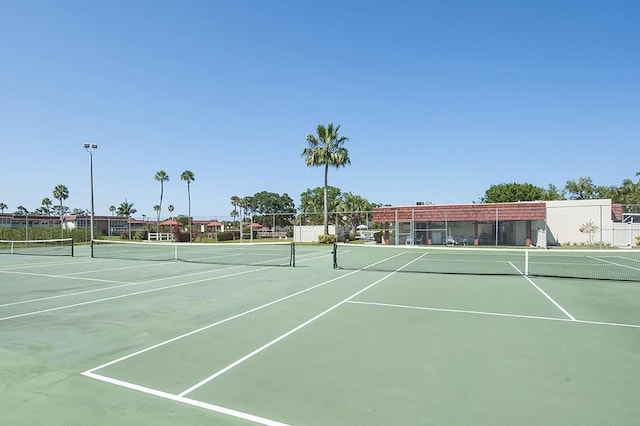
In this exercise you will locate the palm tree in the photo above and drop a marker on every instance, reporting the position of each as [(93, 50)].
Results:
[(170, 208), (326, 148), (162, 177), (156, 209), (356, 207), (235, 202), (60, 192), (188, 177), (126, 209), (3, 206), (234, 214), (47, 204), (112, 209)]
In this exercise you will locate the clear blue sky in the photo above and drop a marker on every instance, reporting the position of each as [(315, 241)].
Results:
[(440, 99)]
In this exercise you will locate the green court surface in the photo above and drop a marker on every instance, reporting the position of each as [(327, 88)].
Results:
[(95, 341)]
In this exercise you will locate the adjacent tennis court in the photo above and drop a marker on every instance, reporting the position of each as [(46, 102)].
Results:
[(241, 337)]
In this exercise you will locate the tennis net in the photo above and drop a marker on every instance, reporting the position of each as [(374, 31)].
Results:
[(258, 254), (55, 247), (622, 265)]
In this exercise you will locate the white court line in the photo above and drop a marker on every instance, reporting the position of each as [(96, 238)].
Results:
[(495, 314), (121, 284), (613, 263), (206, 327), (91, 373), (557, 305), (38, 265), (67, 277), (290, 332), (189, 401), (121, 296), (122, 268), (564, 311)]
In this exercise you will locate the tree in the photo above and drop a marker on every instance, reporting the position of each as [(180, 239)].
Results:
[(512, 192), (325, 149), (80, 212), (170, 208), (582, 189), (126, 209), (589, 228), (21, 210), (234, 215), (112, 209), (245, 207), (235, 202), (188, 177), (552, 193), (355, 208), (47, 204), (312, 202), (162, 177), (628, 193), (60, 192), (3, 206), (267, 204), (606, 191), (156, 209)]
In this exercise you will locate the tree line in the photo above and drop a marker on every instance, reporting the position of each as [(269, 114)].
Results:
[(627, 193)]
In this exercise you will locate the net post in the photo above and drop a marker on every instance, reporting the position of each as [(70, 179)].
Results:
[(73, 246), (526, 262), (334, 252), (292, 258)]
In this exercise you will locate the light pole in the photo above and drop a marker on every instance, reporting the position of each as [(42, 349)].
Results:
[(90, 149)]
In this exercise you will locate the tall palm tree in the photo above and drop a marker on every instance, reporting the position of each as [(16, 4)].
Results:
[(235, 202), (188, 177), (326, 148), (112, 209), (126, 209), (60, 192), (162, 177), (3, 206), (156, 209), (170, 208)]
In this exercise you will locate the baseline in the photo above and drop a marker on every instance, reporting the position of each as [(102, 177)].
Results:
[(177, 398)]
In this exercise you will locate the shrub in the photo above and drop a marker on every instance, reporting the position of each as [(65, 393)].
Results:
[(140, 235), (226, 236), (326, 239), (182, 237)]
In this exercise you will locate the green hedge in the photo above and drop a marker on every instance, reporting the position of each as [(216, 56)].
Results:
[(326, 239), (19, 234)]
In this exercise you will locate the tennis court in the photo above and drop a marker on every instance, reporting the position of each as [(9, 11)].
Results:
[(376, 341)]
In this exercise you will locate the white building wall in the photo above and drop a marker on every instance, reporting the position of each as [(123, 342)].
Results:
[(309, 234), (564, 219)]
